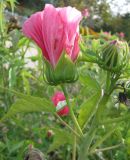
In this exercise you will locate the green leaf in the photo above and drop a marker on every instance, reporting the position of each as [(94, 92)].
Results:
[(15, 147), (23, 42), (12, 4), (87, 80), (103, 138), (88, 108), (41, 103), (95, 45), (2, 22), (61, 137), (29, 104), (24, 106), (2, 146), (88, 54), (26, 83), (12, 77)]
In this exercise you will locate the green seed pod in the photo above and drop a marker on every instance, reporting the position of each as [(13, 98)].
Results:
[(114, 56), (64, 72)]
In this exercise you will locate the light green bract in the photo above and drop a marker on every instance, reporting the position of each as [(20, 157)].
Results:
[(64, 72)]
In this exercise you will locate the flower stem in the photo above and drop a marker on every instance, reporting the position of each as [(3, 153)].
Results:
[(107, 148), (74, 149), (108, 81), (63, 122), (71, 111), (115, 120), (102, 139), (101, 107)]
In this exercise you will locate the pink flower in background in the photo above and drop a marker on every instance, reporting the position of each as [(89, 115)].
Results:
[(121, 35), (55, 30), (107, 33), (85, 13), (60, 103)]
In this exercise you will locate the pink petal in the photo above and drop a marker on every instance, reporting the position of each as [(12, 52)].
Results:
[(55, 30), (58, 96), (53, 33), (75, 50), (64, 111), (32, 28), (71, 18)]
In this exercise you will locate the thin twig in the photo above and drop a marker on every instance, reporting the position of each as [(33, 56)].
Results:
[(64, 123), (106, 149), (74, 149), (74, 119)]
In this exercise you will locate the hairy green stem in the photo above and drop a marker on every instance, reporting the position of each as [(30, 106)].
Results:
[(71, 112), (74, 149), (107, 148), (108, 81), (64, 123), (101, 107), (116, 120), (86, 142), (102, 139), (76, 125)]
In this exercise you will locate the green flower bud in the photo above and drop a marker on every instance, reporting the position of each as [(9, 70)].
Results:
[(64, 72), (114, 56)]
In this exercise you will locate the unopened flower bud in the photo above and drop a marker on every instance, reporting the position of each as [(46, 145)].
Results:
[(59, 101), (115, 55)]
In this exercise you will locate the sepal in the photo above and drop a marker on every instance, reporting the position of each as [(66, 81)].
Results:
[(64, 72)]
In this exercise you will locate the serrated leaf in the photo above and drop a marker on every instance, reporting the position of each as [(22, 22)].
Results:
[(87, 108), (61, 137), (23, 41), (30, 104), (41, 102)]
